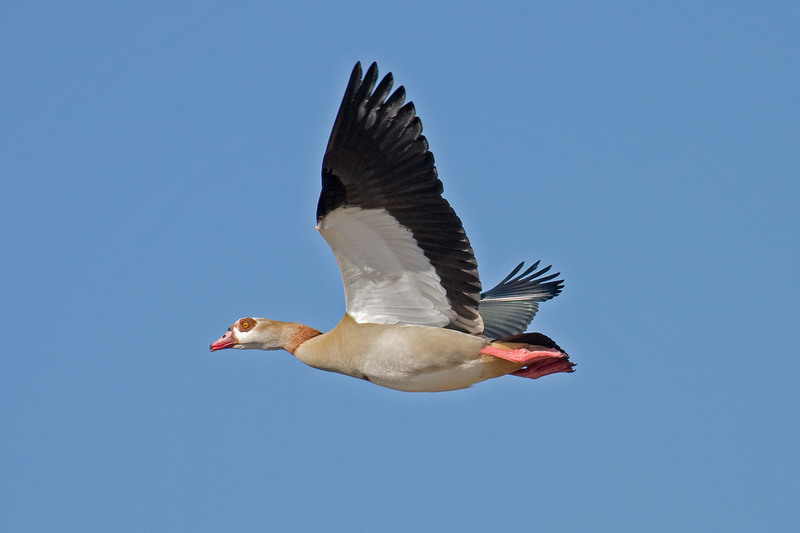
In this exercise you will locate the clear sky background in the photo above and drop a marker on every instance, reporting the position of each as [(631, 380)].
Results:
[(160, 166)]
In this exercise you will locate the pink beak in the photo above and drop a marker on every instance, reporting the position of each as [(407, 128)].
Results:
[(226, 341)]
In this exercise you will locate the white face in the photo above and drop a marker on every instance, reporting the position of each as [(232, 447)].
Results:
[(239, 335), (257, 333), (253, 333), (242, 333)]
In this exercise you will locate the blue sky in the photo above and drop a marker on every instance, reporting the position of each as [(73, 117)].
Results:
[(160, 170)]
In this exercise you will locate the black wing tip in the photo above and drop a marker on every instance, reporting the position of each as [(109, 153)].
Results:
[(531, 283), (357, 74)]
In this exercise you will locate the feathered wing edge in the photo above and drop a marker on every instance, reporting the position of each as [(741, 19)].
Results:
[(509, 307)]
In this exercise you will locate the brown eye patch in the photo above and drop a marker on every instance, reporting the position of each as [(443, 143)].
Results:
[(246, 324)]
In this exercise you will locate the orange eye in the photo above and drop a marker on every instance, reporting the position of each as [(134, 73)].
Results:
[(245, 324)]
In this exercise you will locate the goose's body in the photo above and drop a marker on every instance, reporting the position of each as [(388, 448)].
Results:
[(398, 356), (415, 317)]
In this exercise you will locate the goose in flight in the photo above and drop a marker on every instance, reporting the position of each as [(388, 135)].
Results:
[(415, 318)]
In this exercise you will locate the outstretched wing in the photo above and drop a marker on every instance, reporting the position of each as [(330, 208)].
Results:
[(508, 308), (401, 249)]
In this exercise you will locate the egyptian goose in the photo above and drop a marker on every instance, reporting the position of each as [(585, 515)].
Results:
[(415, 317)]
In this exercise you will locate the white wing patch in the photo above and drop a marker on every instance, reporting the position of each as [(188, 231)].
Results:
[(387, 278)]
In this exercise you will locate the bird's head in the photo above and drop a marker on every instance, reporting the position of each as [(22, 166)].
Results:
[(252, 333)]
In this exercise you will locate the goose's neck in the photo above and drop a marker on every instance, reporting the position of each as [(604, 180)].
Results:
[(296, 334)]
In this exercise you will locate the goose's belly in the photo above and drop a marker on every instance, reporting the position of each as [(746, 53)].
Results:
[(407, 358), (432, 380), (420, 359)]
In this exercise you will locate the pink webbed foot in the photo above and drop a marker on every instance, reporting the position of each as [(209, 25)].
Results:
[(545, 367)]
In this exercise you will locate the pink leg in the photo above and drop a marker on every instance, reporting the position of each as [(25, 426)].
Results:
[(522, 355)]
